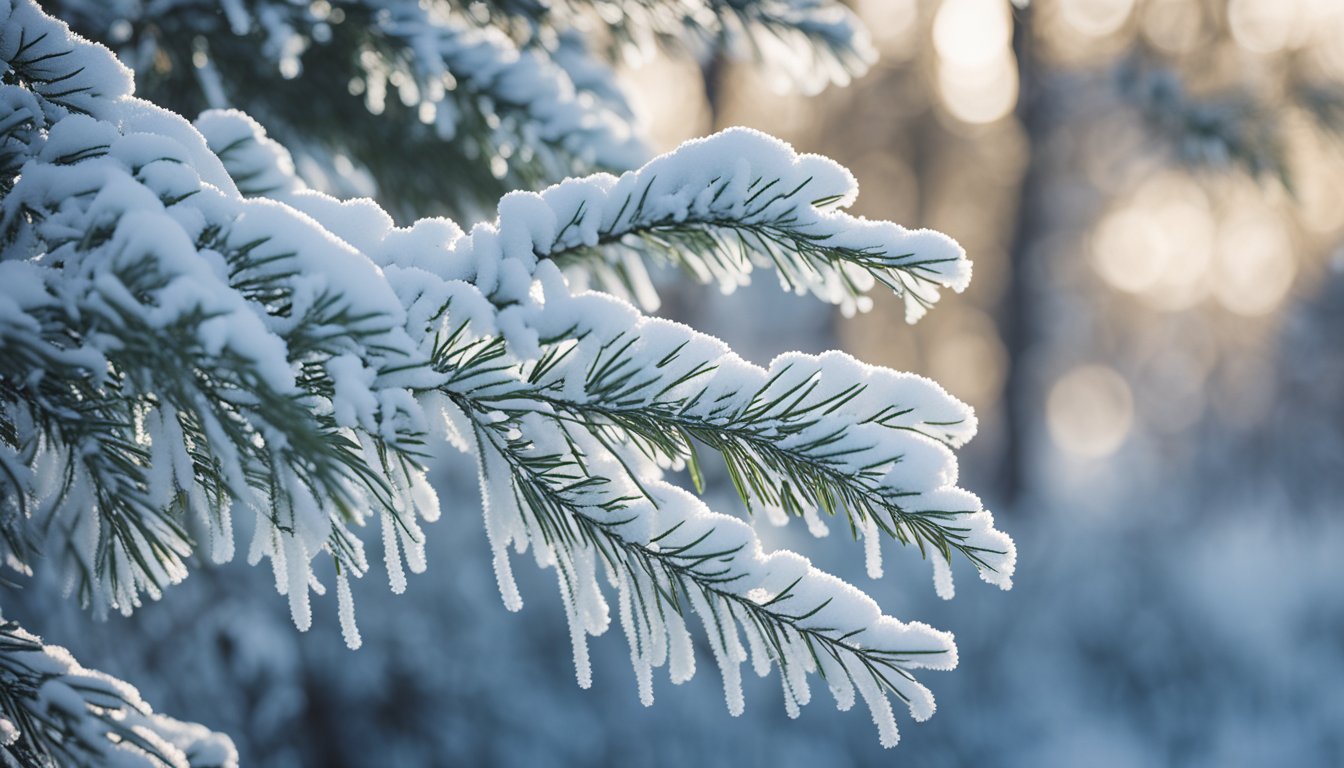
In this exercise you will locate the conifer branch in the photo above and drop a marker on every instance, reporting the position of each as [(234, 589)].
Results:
[(802, 45), (720, 207), (178, 350), (55, 712), (665, 554), (809, 434), (457, 98), (1231, 129), (187, 327)]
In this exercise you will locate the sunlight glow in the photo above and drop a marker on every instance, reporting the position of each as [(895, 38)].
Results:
[(1160, 245), (1264, 26), (893, 25), (981, 94), (977, 74), (1090, 411), (1095, 18), (1255, 265), (971, 34), (1175, 26)]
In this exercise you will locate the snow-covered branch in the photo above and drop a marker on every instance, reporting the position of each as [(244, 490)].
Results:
[(512, 91), (812, 433), (174, 348), (457, 97), (186, 329), (663, 552), (55, 712), (721, 206), (572, 400)]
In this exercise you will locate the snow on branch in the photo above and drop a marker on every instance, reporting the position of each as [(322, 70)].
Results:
[(572, 401), (519, 90), (185, 329), (259, 165), (809, 434), (569, 445), (468, 94), (721, 206), (172, 348), (834, 44), (663, 552), (78, 79), (55, 712)]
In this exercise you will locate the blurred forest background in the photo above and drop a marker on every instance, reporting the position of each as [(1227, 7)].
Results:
[(1151, 193)]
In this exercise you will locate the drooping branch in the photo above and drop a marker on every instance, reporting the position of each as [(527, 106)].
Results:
[(665, 552), (55, 712)]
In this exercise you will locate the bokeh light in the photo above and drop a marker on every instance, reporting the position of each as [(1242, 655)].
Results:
[(980, 95), (1255, 265), (1095, 18), (894, 25), (1160, 244), (972, 33), (977, 75), (1090, 411), (1264, 26), (1175, 26), (969, 359)]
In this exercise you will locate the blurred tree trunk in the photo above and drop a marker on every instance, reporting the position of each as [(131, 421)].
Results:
[(1015, 315)]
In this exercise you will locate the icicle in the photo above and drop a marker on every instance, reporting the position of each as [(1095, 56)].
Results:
[(528, 534), (578, 638), (152, 569), (592, 605), (872, 547), (412, 543), (837, 679), (499, 542), (424, 497), (651, 645), (728, 667), (736, 651), (658, 645), (775, 514), (760, 654), (396, 577), (681, 650), (800, 664), (159, 472), (260, 534), (879, 706), (942, 576), (452, 425), (643, 674), (221, 543), (791, 707), (278, 569), (919, 698), (815, 525), (296, 560), (345, 602)]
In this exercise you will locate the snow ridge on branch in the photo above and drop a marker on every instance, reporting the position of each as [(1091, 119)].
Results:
[(723, 206)]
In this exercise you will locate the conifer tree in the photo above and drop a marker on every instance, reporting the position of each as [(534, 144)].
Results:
[(192, 329)]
